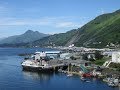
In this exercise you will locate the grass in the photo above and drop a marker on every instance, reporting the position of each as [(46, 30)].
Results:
[(100, 62), (115, 65)]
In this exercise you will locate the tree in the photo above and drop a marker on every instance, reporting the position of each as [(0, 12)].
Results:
[(98, 55), (73, 58), (85, 57)]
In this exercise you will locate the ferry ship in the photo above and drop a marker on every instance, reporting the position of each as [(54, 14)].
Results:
[(40, 62)]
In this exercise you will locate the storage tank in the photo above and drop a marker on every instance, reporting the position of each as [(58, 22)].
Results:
[(116, 57)]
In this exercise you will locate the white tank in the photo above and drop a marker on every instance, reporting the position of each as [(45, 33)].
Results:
[(116, 57)]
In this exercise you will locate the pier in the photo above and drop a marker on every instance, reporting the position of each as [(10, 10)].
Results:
[(57, 64)]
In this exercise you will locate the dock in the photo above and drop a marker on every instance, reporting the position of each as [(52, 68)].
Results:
[(58, 64)]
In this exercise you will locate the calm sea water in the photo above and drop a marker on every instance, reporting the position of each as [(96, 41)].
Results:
[(12, 77)]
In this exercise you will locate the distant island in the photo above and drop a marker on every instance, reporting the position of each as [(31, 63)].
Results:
[(22, 40)]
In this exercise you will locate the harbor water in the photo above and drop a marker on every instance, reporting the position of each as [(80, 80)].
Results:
[(12, 77)]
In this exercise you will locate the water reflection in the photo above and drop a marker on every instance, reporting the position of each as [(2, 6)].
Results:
[(37, 76)]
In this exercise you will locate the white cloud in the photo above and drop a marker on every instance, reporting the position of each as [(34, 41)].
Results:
[(57, 22), (7, 18), (102, 11), (67, 24), (15, 21), (3, 10)]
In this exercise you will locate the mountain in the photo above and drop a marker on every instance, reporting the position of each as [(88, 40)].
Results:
[(102, 31), (28, 36), (2, 38), (56, 39)]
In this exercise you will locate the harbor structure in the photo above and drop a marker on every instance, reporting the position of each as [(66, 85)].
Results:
[(65, 56), (116, 57), (41, 62)]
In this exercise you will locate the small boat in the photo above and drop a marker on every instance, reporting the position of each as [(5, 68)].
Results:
[(87, 81), (83, 79), (87, 75), (113, 83), (60, 70), (70, 74)]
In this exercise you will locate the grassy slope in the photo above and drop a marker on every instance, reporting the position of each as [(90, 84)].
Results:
[(104, 28), (57, 39)]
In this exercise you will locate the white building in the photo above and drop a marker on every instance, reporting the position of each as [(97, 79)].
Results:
[(107, 53), (39, 55), (65, 55), (51, 54), (72, 45), (116, 57)]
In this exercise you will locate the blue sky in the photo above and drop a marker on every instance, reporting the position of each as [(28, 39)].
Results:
[(50, 16)]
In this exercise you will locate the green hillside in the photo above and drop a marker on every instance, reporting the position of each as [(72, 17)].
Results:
[(55, 40), (100, 32), (103, 31)]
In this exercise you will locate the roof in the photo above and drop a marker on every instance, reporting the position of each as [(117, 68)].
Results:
[(49, 52), (52, 52)]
